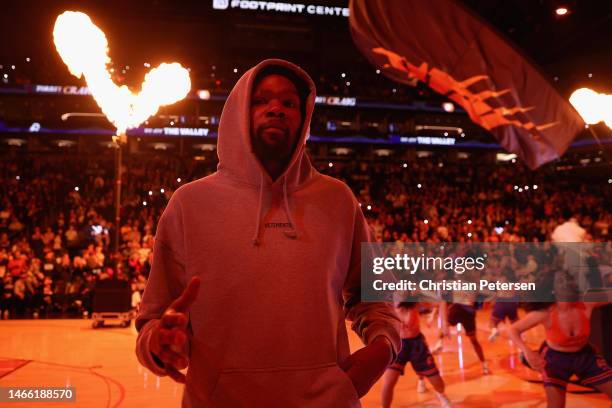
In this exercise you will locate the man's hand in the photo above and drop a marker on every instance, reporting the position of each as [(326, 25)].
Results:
[(169, 339), (367, 365)]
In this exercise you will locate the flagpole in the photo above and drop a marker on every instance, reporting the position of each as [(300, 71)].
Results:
[(595, 136), (601, 146), (118, 140)]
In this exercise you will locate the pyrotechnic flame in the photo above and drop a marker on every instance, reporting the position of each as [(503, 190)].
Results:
[(84, 49), (594, 107)]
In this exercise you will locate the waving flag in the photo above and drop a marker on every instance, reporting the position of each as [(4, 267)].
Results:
[(440, 43)]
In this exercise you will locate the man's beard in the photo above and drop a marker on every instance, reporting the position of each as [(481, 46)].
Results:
[(280, 151)]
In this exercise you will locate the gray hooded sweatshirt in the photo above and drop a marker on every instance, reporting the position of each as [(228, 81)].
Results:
[(279, 263)]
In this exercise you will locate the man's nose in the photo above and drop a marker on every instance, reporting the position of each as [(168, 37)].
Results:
[(275, 109)]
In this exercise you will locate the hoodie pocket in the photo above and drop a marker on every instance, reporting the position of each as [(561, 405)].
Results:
[(348, 382), (312, 387)]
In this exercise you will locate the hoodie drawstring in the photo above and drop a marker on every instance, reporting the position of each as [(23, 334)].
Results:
[(259, 205), (292, 233)]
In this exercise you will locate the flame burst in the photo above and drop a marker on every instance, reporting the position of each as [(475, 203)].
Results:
[(84, 49), (592, 106)]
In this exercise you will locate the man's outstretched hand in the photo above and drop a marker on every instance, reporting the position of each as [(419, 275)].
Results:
[(365, 366), (169, 339)]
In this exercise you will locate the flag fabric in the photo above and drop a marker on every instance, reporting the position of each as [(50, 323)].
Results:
[(457, 54)]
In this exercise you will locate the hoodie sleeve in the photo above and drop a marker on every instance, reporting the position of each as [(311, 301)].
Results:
[(370, 319), (166, 282)]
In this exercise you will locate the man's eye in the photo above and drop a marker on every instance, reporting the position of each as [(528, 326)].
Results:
[(290, 104), (258, 101)]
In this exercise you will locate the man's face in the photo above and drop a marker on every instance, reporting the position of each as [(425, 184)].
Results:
[(276, 118)]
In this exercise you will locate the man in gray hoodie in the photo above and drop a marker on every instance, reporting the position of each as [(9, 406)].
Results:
[(257, 266)]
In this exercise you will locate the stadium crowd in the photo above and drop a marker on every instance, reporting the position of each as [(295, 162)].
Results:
[(56, 216)]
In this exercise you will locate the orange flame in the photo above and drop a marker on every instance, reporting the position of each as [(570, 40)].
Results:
[(84, 49), (594, 107)]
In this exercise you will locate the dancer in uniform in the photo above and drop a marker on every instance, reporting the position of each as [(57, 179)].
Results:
[(414, 350), (566, 350), (505, 307), (462, 310)]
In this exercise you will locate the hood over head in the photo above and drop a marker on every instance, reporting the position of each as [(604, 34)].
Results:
[(237, 159)]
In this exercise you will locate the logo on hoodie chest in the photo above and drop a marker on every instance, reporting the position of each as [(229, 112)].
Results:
[(277, 225)]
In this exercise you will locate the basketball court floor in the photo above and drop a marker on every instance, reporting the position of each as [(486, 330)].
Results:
[(102, 365)]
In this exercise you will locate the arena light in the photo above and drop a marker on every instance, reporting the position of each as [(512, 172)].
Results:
[(205, 147), (203, 94), (341, 151), (16, 142), (448, 107), (161, 146), (419, 185), (178, 180), (84, 49), (425, 221), (561, 11), (504, 157), (65, 143), (456, 129), (383, 152), (594, 107), (162, 191), (535, 186)]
